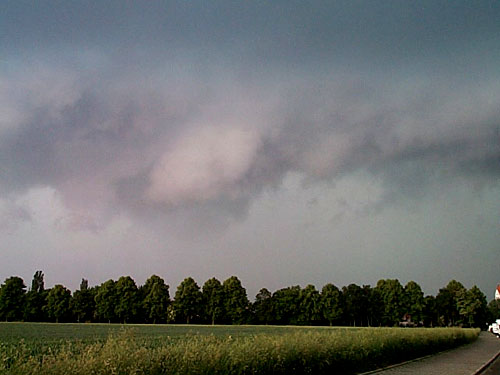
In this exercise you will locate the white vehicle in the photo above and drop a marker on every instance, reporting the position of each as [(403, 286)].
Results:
[(495, 328)]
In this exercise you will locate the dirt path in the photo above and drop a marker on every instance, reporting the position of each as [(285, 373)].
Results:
[(462, 361)]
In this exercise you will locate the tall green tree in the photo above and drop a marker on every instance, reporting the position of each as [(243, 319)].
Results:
[(493, 310), (235, 301), (373, 306), (447, 303), (36, 299), (430, 315), (105, 301), (156, 299), (58, 303), (38, 284), (83, 303), (286, 303), (446, 308), (414, 301), (310, 306), (213, 301), (187, 301), (12, 297), (331, 304), (127, 299), (354, 301), (392, 294), (472, 307), (263, 307)]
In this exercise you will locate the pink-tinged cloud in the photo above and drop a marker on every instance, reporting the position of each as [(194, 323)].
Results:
[(204, 164)]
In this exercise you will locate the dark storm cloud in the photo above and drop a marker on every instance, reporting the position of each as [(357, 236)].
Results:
[(202, 105), (296, 31)]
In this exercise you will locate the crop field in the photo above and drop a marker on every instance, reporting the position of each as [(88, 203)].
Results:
[(37, 348), (56, 333)]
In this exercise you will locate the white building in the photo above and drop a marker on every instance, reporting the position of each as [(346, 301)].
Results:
[(497, 292)]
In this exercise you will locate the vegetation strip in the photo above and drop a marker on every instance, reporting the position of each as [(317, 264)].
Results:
[(388, 304), (295, 350)]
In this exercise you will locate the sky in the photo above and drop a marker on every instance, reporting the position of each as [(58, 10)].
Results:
[(284, 142)]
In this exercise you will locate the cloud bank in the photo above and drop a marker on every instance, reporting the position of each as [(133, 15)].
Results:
[(186, 116), (106, 147)]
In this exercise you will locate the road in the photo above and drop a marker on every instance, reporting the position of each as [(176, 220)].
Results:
[(493, 369), (465, 360)]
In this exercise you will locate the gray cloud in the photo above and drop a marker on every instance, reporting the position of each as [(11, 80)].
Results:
[(184, 116), (11, 215), (160, 143)]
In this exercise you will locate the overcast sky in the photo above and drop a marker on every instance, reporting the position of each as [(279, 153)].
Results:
[(284, 142)]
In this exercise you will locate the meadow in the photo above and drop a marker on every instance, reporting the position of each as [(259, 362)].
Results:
[(39, 348)]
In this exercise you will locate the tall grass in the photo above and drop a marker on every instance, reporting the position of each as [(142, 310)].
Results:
[(333, 351)]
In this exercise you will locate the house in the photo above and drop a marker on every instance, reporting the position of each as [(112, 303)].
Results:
[(497, 292), (406, 321)]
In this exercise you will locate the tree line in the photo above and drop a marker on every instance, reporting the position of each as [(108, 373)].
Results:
[(122, 301)]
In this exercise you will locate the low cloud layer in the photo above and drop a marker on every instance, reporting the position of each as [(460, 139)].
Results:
[(171, 146)]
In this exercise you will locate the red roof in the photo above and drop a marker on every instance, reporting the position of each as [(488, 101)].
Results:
[(498, 288)]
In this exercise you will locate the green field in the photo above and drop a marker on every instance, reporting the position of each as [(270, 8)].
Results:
[(38, 348), (56, 333)]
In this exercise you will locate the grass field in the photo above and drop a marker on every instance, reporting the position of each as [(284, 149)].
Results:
[(36, 348), (55, 333)]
